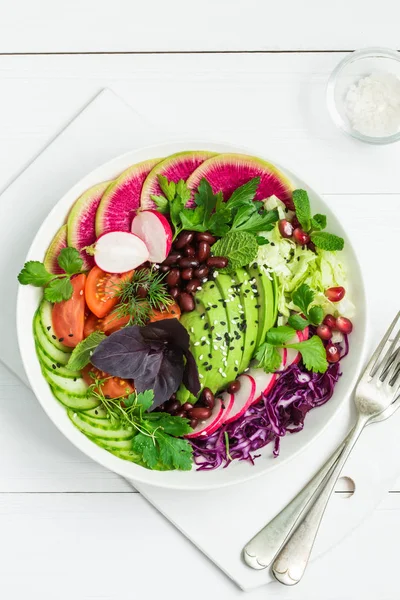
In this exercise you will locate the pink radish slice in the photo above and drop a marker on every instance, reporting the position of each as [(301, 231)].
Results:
[(264, 382), (293, 356), (155, 231), (305, 333), (243, 398), (118, 252), (220, 411), (283, 352)]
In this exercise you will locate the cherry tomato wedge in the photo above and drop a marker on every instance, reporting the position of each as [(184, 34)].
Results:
[(68, 316), (108, 324), (100, 290), (113, 387), (169, 312)]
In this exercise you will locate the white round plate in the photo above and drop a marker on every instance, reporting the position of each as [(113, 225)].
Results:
[(317, 421)]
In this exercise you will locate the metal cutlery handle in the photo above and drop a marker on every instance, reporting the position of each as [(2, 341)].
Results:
[(264, 546), (291, 562)]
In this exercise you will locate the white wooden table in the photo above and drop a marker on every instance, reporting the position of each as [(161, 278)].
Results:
[(249, 72)]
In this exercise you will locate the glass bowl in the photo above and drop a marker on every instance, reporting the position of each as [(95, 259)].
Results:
[(349, 71)]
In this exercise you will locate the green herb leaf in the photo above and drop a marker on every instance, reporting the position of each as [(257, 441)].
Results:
[(268, 357), (161, 202), (298, 322), (183, 191), (239, 247), (145, 446), (58, 290), (261, 240), (313, 354), (318, 222), (34, 273), (145, 399), (70, 260), (176, 426), (277, 336), (174, 452), (80, 356), (244, 194), (303, 209), (248, 219), (327, 241), (303, 297), (316, 314), (168, 188)]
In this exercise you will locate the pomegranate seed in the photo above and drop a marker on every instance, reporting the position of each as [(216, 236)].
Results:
[(344, 325), (335, 294), (301, 237), (285, 228), (324, 332), (332, 353), (330, 321), (295, 222)]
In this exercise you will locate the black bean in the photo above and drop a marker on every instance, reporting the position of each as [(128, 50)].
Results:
[(192, 286), (219, 262), (206, 237), (164, 268), (180, 413), (189, 251), (184, 263), (203, 251), (172, 258), (187, 274), (174, 292), (201, 413), (184, 238), (187, 407), (186, 302), (172, 406), (193, 423), (207, 398), (201, 272), (173, 277), (234, 386)]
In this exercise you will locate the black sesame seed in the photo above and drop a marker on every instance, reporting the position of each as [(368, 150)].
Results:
[(258, 306), (208, 308), (255, 265), (272, 244), (218, 338), (58, 365), (206, 326), (212, 286), (210, 355), (74, 378), (298, 258), (203, 316), (235, 369), (231, 347), (54, 366), (70, 335), (209, 336), (54, 337), (209, 368), (203, 343), (205, 364), (48, 328), (96, 412), (223, 323), (252, 343), (242, 348), (60, 339), (214, 306), (212, 328)]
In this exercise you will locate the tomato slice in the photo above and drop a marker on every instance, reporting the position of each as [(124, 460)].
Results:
[(169, 312), (100, 290), (68, 316), (108, 324), (113, 387)]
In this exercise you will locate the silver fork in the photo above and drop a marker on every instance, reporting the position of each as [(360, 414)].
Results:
[(376, 400)]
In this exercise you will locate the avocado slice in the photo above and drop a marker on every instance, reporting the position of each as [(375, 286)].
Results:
[(263, 289), (248, 308)]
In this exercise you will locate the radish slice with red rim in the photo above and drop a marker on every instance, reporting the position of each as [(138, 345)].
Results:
[(155, 231), (243, 398), (220, 411), (119, 251)]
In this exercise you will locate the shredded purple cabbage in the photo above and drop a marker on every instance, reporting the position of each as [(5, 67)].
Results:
[(281, 411)]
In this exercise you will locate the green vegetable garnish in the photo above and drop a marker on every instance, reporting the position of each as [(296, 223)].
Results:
[(239, 247), (314, 224), (302, 298), (81, 354), (56, 287)]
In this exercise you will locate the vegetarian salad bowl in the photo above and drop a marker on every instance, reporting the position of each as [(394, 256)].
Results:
[(191, 316)]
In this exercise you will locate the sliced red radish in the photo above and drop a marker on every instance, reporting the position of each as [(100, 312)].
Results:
[(264, 382), (220, 411), (283, 352), (293, 356), (119, 251), (305, 333), (243, 398), (155, 231)]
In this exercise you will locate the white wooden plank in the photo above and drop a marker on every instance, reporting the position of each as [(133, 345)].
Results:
[(274, 104), (114, 546), (123, 25)]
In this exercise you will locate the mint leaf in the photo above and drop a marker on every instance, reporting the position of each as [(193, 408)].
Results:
[(239, 247), (58, 290), (161, 202), (244, 194), (145, 446), (298, 322), (261, 240), (175, 453), (183, 191), (268, 358), (316, 314), (168, 188), (248, 219), (145, 399), (313, 354), (327, 241), (176, 426), (318, 222), (34, 273), (70, 260), (81, 354), (303, 297), (303, 209), (277, 336)]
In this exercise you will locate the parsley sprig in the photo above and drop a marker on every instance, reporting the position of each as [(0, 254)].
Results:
[(158, 439), (312, 350), (315, 224), (56, 287), (313, 315)]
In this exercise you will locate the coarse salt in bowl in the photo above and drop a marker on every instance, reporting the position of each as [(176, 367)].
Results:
[(363, 95)]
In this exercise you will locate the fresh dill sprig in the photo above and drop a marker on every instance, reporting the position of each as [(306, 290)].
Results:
[(141, 294)]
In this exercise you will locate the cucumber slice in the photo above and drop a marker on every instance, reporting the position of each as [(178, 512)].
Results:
[(92, 427), (76, 402), (57, 368), (98, 412), (45, 310), (118, 445), (75, 387), (57, 356)]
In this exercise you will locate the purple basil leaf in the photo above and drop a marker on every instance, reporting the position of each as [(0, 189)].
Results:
[(167, 370), (191, 374), (123, 353)]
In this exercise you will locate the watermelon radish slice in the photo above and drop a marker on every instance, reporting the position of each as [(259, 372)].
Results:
[(119, 251), (220, 412), (226, 172), (58, 242), (155, 231), (243, 399), (175, 167), (122, 199), (81, 221)]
